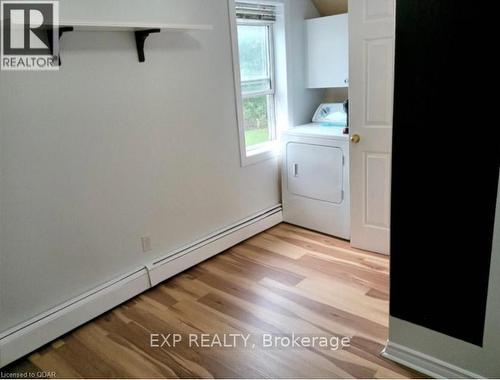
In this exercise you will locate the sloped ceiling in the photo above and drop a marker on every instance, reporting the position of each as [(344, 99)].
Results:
[(331, 7)]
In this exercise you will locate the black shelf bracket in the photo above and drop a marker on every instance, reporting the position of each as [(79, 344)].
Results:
[(140, 39), (62, 30)]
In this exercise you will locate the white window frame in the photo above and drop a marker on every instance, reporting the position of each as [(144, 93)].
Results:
[(271, 110), (269, 149)]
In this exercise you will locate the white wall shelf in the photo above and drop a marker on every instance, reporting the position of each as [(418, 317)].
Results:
[(140, 29), (88, 26)]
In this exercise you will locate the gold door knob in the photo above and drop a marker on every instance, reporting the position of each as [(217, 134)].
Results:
[(355, 139)]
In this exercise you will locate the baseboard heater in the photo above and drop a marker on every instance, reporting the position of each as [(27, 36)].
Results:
[(425, 364), (44, 328)]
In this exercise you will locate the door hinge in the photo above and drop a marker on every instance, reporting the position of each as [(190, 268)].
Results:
[(342, 195), (343, 160)]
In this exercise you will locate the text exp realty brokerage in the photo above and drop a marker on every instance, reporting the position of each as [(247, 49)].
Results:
[(251, 341)]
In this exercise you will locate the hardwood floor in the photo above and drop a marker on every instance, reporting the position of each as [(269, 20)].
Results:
[(283, 281)]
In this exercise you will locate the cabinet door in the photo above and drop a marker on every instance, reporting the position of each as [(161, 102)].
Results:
[(315, 172), (328, 51)]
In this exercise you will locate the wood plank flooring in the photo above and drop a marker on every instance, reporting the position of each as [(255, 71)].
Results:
[(283, 281)]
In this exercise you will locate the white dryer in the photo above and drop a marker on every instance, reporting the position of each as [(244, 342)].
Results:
[(316, 179)]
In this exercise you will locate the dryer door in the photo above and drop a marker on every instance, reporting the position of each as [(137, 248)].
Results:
[(315, 171)]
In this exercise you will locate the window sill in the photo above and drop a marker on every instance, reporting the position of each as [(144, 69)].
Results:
[(262, 153)]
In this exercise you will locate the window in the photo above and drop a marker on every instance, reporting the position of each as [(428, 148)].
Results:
[(255, 32)]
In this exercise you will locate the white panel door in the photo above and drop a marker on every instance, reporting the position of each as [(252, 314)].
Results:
[(315, 172), (371, 85)]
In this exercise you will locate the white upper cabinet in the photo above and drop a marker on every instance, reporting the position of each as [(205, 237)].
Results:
[(328, 52)]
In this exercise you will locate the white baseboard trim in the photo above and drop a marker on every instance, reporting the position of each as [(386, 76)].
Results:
[(28, 336), (425, 364), (184, 258)]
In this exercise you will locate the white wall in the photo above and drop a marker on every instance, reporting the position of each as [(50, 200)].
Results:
[(303, 101), (483, 361), (108, 150)]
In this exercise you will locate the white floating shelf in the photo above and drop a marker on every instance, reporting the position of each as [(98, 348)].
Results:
[(102, 26)]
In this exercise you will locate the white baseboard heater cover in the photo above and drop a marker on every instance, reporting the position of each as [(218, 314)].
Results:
[(425, 364), (38, 331)]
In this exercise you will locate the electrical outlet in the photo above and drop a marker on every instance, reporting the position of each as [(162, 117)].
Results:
[(146, 244)]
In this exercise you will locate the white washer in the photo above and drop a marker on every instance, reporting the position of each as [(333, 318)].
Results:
[(316, 179)]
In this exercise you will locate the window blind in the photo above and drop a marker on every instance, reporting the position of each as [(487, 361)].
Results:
[(252, 11)]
